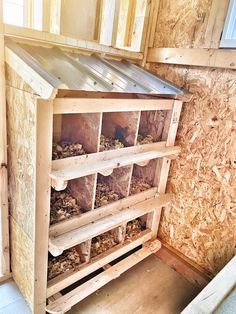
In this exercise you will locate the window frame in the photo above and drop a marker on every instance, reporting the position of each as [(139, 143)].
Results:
[(226, 40)]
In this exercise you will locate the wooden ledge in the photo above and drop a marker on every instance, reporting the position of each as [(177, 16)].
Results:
[(60, 178), (70, 239)]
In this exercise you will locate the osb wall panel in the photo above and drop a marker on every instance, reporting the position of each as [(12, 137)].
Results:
[(201, 223), (21, 157), (190, 23), (22, 249)]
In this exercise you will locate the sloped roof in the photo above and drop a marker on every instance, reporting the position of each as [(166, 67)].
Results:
[(63, 69)]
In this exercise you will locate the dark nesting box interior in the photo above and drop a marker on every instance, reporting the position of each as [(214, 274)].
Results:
[(153, 126), (118, 130), (78, 131)]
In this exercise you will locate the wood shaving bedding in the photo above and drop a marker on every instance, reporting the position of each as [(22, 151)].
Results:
[(134, 228), (102, 243), (63, 206), (68, 260), (109, 143), (105, 195), (138, 185), (65, 149), (145, 139)]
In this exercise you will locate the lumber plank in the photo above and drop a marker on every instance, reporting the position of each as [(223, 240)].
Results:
[(215, 58), (57, 284), (67, 240), (71, 43), (85, 105), (96, 214), (214, 293), (68, 300), (4, 222), (102, 167), (71, 162), (42, 211)]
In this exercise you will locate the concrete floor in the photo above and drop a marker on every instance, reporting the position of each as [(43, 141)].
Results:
[(149, 287)]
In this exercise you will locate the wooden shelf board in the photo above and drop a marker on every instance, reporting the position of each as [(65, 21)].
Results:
[(65, 303), (106, 167), (62, 281), (86, 105), (67, 240), (98, 213)]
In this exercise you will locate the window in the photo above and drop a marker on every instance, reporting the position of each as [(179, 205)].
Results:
[(228, 39), (13, 12)]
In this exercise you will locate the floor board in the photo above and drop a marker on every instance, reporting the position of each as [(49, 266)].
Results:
[(149, 287)]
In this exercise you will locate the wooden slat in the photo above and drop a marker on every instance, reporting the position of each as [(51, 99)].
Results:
[(214, 293), (71, 162), (68, 300), (4, 223), (216, 58), (130, 23), (83, 105), (96, 214), (60, 177), (65, 241), (71, 43), (65, 280), (42, 210)]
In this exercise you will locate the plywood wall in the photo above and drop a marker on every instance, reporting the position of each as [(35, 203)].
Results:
[(201, 221)]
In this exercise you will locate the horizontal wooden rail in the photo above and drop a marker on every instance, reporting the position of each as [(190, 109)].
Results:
[(67, 240), (71, 162), (65, 303), (62, 281), (216, 58), (86, 105), (60, 178), (71, 43), (98, 213)]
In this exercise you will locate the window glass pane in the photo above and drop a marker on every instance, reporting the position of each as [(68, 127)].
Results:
[(13, 12)]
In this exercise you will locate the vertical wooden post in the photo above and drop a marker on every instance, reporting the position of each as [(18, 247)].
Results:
[(42, 212), (4, 223), (163, 166)]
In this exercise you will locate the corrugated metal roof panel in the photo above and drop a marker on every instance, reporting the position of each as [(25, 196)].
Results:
[(90, 72)]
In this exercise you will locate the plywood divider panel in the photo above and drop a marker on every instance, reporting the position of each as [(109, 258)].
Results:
[(44, 130), (82, 128), (57, 123), (121, 125)]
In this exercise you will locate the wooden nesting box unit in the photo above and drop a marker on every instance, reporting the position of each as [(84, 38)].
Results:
[(90, 144)]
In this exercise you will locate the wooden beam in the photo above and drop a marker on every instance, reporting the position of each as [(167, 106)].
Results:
[(67, 42), (107, 22), (106, 167), (4, 222), (42, 209), (83, 105), (65, 241), (215, 58), (65, 280), (130, 23), (68, 300), (215, 292)]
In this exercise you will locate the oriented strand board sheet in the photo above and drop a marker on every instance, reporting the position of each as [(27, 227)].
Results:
[(201, 222)]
